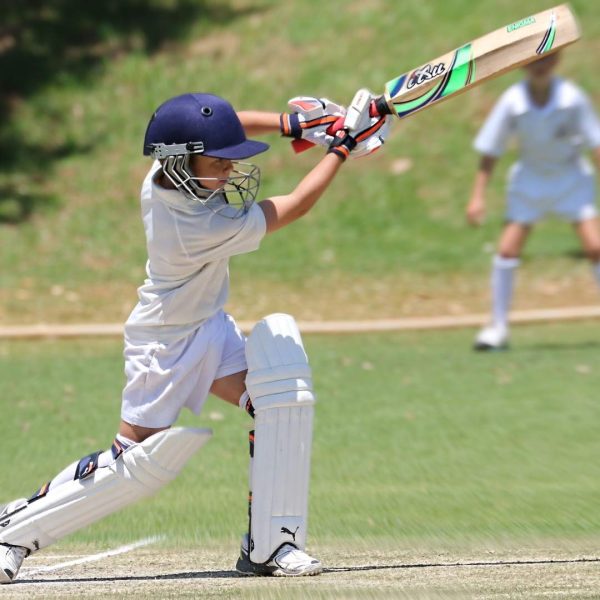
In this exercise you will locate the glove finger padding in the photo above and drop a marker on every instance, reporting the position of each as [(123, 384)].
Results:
[(310, 118), (311, 108), (370, 132), (364, 133), (376, 139)]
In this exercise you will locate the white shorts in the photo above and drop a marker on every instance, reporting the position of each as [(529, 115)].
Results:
[(164, 378), (569, 195)]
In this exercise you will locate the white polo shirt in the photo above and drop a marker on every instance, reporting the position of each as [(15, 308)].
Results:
[(550, 138), (188, 261)]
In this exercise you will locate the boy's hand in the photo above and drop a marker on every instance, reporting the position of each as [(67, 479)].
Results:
[(362, 134), (475, 211), (310, 118)]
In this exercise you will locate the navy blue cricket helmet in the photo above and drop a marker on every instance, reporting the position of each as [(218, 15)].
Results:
[(207, 125), (198, 124)]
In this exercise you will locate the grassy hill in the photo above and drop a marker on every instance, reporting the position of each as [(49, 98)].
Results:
[(388, 238)]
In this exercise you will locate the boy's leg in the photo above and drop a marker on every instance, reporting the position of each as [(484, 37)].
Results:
[(504, 265), (589, 234), (280, 398), (286, 559), (11, 557), (96, 486)]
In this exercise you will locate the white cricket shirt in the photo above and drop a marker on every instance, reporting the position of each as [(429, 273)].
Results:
[(188, 261), (550, 138)]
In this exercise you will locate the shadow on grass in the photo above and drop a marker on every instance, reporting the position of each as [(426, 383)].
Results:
[(17, 206), (563, 346), (47, 41), (20, 192), (235, 575)]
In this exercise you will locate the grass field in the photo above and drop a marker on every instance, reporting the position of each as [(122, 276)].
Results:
[(436, 472), (394, 243), (424, 451)]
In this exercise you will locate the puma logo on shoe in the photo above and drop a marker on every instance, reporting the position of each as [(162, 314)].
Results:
[(292, 533)]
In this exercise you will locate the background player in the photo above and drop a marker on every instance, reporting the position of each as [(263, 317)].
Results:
[(198, 210), (553, 122)]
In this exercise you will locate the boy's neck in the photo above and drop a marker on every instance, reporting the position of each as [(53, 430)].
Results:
[(163, 181), (540, 92)]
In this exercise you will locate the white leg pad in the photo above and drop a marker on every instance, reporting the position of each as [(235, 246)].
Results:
[(137, 473), (279, 382)]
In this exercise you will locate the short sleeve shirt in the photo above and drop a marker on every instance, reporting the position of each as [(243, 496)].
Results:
[(549, 137), (189, 247)]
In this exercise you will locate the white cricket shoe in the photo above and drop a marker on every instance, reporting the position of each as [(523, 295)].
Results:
[(11, 559), (289, 561), (492, 337)]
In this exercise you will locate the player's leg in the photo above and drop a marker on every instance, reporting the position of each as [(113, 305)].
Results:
[(576, 204), (588, 231), (144, 456), (280, 398), (91, 488), (11, 556), (504, 266), (230, 388), (136, 433), (128, 435)]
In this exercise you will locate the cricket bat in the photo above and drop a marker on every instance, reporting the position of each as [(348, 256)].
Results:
[(482, 59), (473, 63)]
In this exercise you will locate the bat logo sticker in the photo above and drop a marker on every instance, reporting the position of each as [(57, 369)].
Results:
[(425, 74)]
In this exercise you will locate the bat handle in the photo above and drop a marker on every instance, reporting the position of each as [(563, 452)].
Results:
[(380, 107)]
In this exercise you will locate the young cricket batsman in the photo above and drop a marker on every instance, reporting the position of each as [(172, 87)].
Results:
[(198, 209), (554, 123)]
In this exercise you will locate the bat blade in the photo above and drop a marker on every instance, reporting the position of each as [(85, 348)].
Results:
[(482, 59)]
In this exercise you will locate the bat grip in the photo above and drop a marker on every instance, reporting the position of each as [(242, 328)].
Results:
[(380, 107)]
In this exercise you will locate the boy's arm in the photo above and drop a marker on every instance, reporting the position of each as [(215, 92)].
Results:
[(308, 119), (490, 143), (283, 210), (362, 134), (475, 210), (256, 122)]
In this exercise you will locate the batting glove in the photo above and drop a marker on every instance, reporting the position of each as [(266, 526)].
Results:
[(369, 128), (363, 131), (309, 120)]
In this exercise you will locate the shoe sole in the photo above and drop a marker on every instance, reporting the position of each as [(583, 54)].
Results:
[(250, 569), (279, 573), (305, 573), (479, 347)]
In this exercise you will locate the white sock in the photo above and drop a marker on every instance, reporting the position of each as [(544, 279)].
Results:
[(503, 271), (596, 267)]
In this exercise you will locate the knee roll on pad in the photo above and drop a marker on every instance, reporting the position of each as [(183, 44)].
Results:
[(138, 472), (279, 382)]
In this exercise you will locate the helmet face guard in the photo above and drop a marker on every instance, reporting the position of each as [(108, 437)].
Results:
[(231, 199), (216, 131)]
